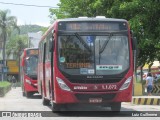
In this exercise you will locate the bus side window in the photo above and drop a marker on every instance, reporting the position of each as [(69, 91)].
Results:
[(44, 52), (52, 47), (48, 45), (40, 51)]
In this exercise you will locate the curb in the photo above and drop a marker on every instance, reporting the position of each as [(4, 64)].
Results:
[(146, 101)]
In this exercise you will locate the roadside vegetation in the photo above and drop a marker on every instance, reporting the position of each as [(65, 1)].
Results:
[(4, 84), (4, 88)]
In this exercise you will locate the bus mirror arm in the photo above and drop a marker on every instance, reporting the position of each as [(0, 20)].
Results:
[(134, 43), (135, 51)]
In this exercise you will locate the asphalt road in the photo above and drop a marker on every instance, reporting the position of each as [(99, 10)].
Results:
[(15, 102)]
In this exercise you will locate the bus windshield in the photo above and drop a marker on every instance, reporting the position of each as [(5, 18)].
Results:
[(31, 65), (93, 54)]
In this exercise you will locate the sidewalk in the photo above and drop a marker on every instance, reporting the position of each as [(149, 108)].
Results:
[(146, 100)]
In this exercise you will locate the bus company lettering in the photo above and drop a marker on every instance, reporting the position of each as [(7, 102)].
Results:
[(109, 87), (78, 65), (80, 88)]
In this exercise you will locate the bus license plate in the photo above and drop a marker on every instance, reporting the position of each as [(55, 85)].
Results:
[(95, 100)]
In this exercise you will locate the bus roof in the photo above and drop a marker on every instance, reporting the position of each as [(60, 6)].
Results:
[(30, 48), (92, 19), (101, 18)]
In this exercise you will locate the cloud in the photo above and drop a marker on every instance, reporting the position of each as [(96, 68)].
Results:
[(45, 24), (21, 22)]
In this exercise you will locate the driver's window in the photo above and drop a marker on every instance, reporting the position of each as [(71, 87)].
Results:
[(26, 67)]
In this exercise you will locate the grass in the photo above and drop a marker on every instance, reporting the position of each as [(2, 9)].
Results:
[(4, 83)]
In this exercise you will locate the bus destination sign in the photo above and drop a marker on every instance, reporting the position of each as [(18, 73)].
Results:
[(33, 52), (93, 26)]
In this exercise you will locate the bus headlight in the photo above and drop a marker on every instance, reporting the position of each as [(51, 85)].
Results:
[(126, 83), (62, 84), (28, 81)]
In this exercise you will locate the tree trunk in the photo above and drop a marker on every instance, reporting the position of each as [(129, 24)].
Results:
[(4, 55), (149, 67), (142, 72)]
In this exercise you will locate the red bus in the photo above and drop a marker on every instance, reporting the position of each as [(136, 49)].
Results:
[(86, 60), (28, 71)]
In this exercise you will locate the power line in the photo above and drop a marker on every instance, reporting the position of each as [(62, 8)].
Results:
[(27, 5)]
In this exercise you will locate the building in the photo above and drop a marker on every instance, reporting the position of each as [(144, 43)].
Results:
[(33, 39)]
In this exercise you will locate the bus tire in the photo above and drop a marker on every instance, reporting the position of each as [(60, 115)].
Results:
[(116, 107), (56, 107), (45, 101), (23, 93), (28, 94)]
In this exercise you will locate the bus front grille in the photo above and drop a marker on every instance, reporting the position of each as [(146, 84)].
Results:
[(86, 97), (94, 81)]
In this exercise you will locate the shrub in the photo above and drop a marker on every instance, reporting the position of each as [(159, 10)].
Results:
[(4, 88), (4, 83)]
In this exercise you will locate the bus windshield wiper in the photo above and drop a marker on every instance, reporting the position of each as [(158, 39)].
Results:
[(82, 41), (105, 44), (110, 35)]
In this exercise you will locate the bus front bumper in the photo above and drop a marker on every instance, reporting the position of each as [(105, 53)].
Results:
[(64, 97)]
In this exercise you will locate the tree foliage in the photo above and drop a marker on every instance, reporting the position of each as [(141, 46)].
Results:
[(25, 29), (7, 24), (73, 8), (143, 17), (16, 45)]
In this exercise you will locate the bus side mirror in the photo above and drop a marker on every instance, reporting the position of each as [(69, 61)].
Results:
[(135, 52), (134, 41)]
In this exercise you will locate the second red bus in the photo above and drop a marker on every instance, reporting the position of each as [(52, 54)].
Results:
[(28, 71)]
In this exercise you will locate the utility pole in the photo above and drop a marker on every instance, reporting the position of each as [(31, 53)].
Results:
[(4, 36), (29, 41), (1, 60)]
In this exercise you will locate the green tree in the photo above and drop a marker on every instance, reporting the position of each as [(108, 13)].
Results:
[(25, 29), (143, 16), (7, 24), (16, 45), (78, 8)]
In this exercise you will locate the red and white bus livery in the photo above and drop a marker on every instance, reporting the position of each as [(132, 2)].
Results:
[(28, 71), (86, 60)]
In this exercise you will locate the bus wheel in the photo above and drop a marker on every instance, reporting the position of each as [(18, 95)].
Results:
[(23, 93), (116, 107), (28, 94), (57, 107), (45, 101)]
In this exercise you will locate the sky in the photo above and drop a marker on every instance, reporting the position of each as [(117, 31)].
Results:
[(29, 14)]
